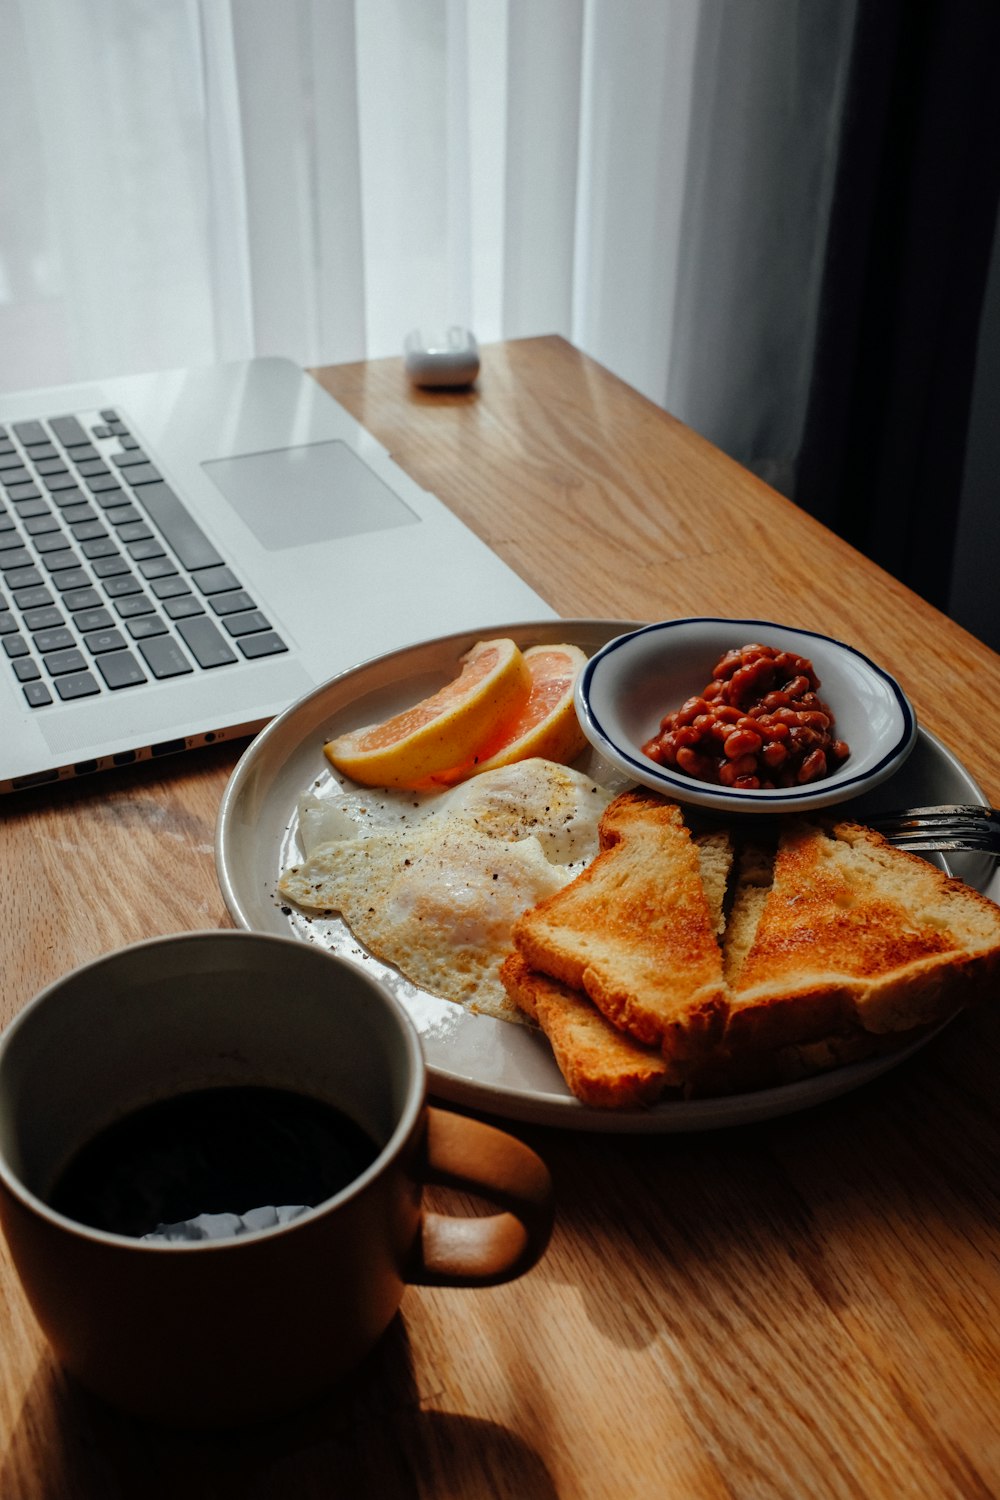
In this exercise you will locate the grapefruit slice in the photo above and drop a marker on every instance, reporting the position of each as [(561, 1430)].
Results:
[(443, 730), (546, 725)]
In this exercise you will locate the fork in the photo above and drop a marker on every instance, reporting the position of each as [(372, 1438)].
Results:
[(949, 827)]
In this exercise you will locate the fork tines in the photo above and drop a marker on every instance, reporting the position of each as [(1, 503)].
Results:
[(954, 826)]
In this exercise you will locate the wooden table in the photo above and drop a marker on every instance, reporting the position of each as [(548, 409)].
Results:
[(807, 1307)]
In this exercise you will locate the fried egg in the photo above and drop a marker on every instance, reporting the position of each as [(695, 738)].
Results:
[(434, 882)]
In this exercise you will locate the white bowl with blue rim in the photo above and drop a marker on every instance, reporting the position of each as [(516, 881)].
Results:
[(628, 686)]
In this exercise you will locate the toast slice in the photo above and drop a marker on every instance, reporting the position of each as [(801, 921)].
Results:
[(835, 947), (851, 934), (636, 931), (604, 1067)]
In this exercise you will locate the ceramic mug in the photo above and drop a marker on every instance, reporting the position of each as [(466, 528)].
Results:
[(218, 1332)]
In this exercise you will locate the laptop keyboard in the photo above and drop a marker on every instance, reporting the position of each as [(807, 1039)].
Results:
[(106, 579)]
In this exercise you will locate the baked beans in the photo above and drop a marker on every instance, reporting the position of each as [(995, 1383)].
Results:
[(758, 723)]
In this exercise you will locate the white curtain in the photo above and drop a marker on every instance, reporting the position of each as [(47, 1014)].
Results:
[(192, 180)]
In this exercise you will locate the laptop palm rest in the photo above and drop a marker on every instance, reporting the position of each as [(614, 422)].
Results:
[(315, 491)]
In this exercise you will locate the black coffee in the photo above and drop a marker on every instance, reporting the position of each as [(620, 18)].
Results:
[(219, 1150)]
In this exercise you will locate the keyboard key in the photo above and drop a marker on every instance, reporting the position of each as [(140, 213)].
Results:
[(216, 580), (53, 640), (128, 441), (143, 474), (92, 619), (31, 507), (24, 578), (88, 531), (142, 550), (164, 657), (109, 415), (37, 694), (39, 525), (56, 482), (180, 609), (103, 484), (45, 451), (120, 669), (63, 561), (15, 474), (64, 661), (30, 433), (205, 642), (26, 669), (51, 541), (9, 540), (50, 467), (15, 557), (112, 567), (15, 645), (103, 547), (169, 588), (32, 598), (117, 588), (158, 567), (10, 459), (269, 644), (8, 623), (246, 624), (139, 604), (122, 515), (91, 467), (129, 458), (102, 430), (68, 430), (99, 641), (24, 492), (135, 531), (73, 579), (145, 626), (77, 685), (80, 510), (182, 533), (46, 618), (81, 597)]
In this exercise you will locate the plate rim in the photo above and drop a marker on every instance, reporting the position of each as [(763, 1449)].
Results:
[(525, 1105)]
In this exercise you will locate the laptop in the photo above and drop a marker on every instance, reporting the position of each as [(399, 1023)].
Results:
[(185, 554)]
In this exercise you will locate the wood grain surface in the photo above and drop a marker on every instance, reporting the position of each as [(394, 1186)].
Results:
[(808, 1307)]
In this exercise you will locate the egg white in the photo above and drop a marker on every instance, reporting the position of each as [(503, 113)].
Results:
[(433, 882)]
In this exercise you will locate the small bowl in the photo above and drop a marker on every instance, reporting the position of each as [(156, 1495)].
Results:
[(631, 683)]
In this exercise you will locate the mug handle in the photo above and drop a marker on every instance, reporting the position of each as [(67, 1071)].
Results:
[(464, 1153)]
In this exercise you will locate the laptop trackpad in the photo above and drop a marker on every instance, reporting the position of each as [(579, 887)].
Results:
[(311, 493)]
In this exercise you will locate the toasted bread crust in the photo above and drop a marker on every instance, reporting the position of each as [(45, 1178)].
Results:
[(603, 1066), (635, 931), (854, 932), (835, 947)]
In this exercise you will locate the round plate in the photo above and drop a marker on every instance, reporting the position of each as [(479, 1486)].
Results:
[(475, 1061)]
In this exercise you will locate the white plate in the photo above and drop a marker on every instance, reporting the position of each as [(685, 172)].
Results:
[(475, 1061)]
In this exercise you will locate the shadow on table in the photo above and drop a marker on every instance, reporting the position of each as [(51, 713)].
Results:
[(377, 1439), (678, 1223)]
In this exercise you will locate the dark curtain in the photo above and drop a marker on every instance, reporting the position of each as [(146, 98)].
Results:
[(913, 218)]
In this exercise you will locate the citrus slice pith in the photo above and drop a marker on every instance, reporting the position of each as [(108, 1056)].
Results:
[(546, 725), (443, 730)]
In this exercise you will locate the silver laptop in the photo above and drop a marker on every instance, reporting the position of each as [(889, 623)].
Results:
[(183, 555)]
